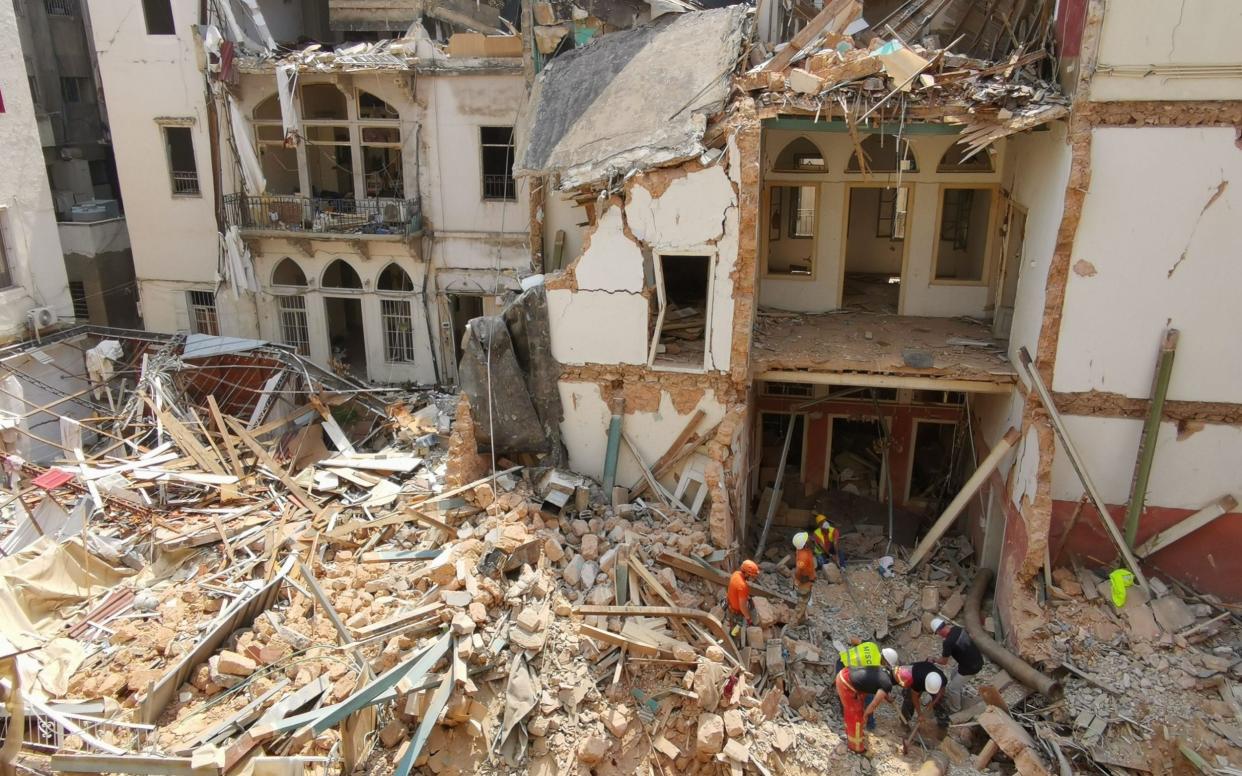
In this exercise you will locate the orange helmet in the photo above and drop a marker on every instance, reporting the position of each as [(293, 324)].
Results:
[(750, 568)]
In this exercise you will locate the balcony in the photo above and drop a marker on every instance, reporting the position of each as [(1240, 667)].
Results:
[(294, 213)]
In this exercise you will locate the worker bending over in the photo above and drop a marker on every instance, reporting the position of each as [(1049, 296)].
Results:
[(866, 654), (826, 543), (917, 679), (739, 595), (854, 686), (959, 646), (804, 573)]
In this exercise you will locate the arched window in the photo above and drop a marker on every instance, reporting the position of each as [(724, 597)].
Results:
[(288, 273), (372, 107), (323, 102), (952, 160), (341, 275), (393, 278), (268, 110), (801, 155), (883, 155)]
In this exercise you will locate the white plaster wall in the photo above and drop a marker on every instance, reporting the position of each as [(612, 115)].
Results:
[(560, 213), (1187, 474), (598, 327), (1036, 174), (147, 77), (920, 295), (1147, 212), (455, 108), (614, 262), (994, 415), (585, 430), (1154, 34), (27, 217)]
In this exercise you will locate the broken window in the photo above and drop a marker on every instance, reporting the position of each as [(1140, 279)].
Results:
[(74, 89), (77, 293), (497, 147), (288, 273), (791, 228), (680, 336), (372, 107), (964, 232), (159, 17), (884, 153), (800, 155), (203, 317), (398, 330), (323, 102), (939, 397), (931, 465), (393, 278), (182, 166), (794, 390), (294, 329), (340, 275), (952, 160), (890, 217), (381, 162)]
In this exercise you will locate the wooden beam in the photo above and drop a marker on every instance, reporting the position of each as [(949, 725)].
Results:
[(1151, 432), (225, 436), (276, 469), (617, 640), (1190, 524), (1004, 386), (693, 615), (716, 576), (812, 30)]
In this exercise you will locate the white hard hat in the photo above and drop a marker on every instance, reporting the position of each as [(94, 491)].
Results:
[(932, 683), (890, 655), (937, 624), (799, 540)]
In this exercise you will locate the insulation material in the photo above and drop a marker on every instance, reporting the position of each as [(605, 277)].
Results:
[(237, 265), (247, 156), (44, 577), (99, 364)]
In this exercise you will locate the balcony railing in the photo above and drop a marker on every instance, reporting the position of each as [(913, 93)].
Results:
[(61, 7), (294, 213), (185, 183)]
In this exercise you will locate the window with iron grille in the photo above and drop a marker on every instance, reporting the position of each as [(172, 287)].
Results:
[(203, 317), (60, 7), (77, 292), (294, 330), (398, 331), (797, 390), (182, 166), (497, 144)]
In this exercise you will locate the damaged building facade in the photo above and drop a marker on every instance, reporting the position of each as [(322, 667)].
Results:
[(356, 205), (816, 288)]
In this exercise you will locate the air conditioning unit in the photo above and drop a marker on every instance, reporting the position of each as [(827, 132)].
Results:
[(41, 317)]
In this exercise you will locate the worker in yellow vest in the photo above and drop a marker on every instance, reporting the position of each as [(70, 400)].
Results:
[(826, 541)]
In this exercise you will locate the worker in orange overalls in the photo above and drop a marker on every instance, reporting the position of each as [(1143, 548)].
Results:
[(739, 594), (827, 543), (804, 573), (854, 684)]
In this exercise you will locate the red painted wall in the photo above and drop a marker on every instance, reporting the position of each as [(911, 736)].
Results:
[(1208, 560), (1071, 15)]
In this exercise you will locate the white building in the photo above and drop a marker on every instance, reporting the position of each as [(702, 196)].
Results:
[(32, 269), (388, 222)]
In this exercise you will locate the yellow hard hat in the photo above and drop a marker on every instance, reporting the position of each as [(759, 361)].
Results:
[(821, 519)]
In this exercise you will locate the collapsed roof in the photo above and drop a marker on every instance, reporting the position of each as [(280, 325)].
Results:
[(631, 99)]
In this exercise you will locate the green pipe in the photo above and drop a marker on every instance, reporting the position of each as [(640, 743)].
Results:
[(614, 447), (1151, 430)]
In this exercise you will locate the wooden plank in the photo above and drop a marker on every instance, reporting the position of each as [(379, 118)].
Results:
[(225, 437), (633, 646), (712, 624), (276, 469), (1188, 525), (716, 576), (660, 591), (686, 433), (135, 764), (812, 30), (186, 440)]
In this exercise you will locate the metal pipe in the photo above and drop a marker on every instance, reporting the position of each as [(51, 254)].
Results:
[(1151, 430), (613, 453), (1015, 666)]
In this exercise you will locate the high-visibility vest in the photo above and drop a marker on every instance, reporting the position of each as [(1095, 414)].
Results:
[(865, 655), (825, 537)]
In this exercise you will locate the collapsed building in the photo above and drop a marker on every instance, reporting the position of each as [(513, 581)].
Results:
[(891, 262)]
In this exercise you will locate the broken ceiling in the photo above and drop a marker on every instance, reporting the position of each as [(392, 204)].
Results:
[(633, 99)]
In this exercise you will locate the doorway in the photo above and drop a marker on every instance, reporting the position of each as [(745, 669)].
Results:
[(856, 461), (875, 239), (346, 335), (462, 309), (1011, 267)]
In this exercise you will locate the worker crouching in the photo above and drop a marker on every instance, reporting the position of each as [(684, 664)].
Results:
[(804, 573), (916, 680), (854, 685), (739, 595)]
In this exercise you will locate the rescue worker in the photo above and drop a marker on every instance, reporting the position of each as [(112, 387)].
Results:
[(826, 543), (959, 646), (867, 654), (916, 679), (739, 594), (804, 573), (854, 685)]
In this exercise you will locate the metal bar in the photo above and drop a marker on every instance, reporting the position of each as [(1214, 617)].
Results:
[(1151, 434)]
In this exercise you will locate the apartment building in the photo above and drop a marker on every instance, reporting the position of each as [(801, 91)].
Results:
[(353, 202), (32, 270), (809, 289)]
